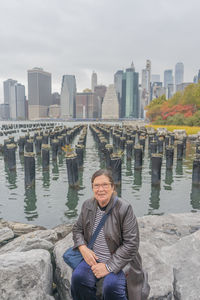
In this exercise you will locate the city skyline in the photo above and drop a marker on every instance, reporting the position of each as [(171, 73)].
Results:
[(77, 38)]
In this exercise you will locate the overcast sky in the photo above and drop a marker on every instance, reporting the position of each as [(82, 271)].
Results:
[(79, 36)]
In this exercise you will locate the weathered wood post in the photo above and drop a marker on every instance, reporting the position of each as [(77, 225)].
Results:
[(45, 156), (29, 168), (156, 160), (11, 156), (72, 169), (138, 150), (116, 165), (169, 157)]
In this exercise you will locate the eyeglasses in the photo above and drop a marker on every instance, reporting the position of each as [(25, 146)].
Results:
[(105, 186)]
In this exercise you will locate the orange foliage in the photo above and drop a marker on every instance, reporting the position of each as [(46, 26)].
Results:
[(187, 110)]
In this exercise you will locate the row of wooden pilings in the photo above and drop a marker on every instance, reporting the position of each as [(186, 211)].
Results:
[(58, 141), (13, 128), (133, 141)]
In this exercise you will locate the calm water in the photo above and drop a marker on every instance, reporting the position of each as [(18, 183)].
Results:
[(52, 202)]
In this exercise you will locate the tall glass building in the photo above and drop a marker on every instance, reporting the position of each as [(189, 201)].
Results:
[(68, 97), (132, 94), (39, 93), (179, 73)]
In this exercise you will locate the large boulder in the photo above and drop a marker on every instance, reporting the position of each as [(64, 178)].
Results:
[(184, 258), (20, 228), (6, 234), (63, 272), (26, 275), (41, 239)]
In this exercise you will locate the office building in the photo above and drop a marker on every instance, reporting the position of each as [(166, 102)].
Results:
[(182, 86), (68, 97), (110, 106), (20, 101), (14, 98), (155, 78), (87, 105), (179, 74), (157, 90), (168, 83), (100, 91), (4, 111), (132, 93), (145, 87), (56, 98), (93, 81), (39, 93), (118, 77)]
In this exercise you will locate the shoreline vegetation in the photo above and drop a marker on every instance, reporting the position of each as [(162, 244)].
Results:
[(182, 109), (188, 129)]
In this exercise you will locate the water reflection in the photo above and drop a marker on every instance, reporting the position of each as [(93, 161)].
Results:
[(30, 199), (21, 159), (195, 197), (168, 179), (72, 201), (46, 178), (129, 167), (179, 167), (138, 177), (155, 197), (11, 177), (55, 170)]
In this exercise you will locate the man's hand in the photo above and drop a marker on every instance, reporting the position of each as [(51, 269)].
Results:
[(88, 255), (100, 270)]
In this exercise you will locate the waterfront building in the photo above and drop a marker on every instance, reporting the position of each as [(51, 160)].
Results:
[(157, 90), (4, 111), (146, 86), (54, 111), (93, 80), (168, 80), (14, 98), (170, 90), (195, 79), (68, 97), (132, 93), (20, 101), (118, 77), (100, 91), (87, 105), (179, 74), (155, 78), (39, 93), (56, 98), (110, 106), (182, 86)]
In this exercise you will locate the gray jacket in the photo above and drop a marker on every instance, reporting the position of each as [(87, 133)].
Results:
[(122, 236)]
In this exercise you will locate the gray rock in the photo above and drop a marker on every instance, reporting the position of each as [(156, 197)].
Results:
[(168, 229), (63, 230), (63, 272), (159, 272), (26, 275), (41, 239), (6, 234), (184, 257), (20, 228)]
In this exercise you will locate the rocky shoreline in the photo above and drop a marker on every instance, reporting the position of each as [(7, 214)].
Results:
[(31, 264)]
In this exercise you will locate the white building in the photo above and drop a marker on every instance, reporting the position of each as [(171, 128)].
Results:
[(68, 97), (93, 81), (110, 106)]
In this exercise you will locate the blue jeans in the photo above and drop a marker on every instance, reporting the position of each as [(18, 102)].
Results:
[(83, 284)]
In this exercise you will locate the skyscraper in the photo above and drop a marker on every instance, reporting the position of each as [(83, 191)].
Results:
[(145, 87), (132, 93), (68, 97), (93, 81), (118, 88), (39, 93), (168, 83), (14, 97), (179, 74), (110, 106)]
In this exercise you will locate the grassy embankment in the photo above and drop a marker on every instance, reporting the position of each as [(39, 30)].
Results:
[(189, 129)]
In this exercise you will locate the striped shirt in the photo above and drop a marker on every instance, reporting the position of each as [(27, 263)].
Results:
[(100, 247)]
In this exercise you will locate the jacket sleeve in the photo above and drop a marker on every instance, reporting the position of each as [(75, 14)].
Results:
[(78, 231), (126, 252)]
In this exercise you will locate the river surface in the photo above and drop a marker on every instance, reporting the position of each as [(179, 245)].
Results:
[(51, 202)]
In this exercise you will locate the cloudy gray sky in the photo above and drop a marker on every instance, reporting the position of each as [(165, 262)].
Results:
[(79, 36)]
